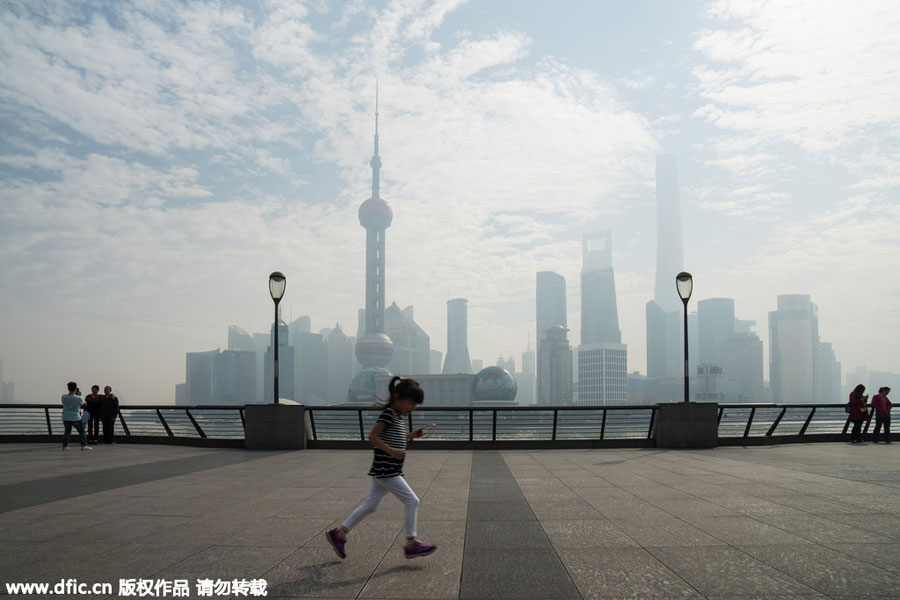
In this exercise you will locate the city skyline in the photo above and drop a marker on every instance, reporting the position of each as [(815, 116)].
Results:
[(161, 161)]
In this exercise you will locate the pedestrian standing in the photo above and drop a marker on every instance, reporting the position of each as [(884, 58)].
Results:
[(882, 407), (72, 404), (109, 411), (859, 412), (389, 438), (92, 406)]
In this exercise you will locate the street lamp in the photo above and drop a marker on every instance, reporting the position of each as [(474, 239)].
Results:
[(277, 282), (685, 284)]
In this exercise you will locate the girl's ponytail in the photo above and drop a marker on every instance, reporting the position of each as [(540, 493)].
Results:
[(403, 387)]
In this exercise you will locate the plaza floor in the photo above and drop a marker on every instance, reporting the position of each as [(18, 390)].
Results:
[(787, 521)]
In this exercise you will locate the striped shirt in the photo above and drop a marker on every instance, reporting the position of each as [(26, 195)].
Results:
[(394, 435)]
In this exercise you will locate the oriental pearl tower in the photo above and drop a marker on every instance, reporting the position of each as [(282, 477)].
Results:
[(374, 349)]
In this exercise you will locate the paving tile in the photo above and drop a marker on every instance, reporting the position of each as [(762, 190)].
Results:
[(593, 533), (531, 573), (573, 508), (318, 572), (746, 530), (436, 576), (499, 511), (279, 532), (821, 529), (828, 571), (622, 573), (505, 535), (228, 562), (371, 534), (728, 572), (663, 531), (885, 556)]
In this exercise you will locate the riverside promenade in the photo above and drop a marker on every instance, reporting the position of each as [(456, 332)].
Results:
[(784, 521)]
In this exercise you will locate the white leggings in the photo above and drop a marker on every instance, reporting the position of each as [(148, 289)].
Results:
[(379, 489)]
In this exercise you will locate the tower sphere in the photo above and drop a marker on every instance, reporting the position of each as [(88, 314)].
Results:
[(374, 350), (362, 388), (375, 213), (494, 385)]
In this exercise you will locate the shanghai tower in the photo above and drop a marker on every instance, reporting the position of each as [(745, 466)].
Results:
[(664, 334), (374, 349)]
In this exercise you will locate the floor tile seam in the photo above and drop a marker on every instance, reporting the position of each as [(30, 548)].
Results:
[(547, 537), (753, 558), (837, 549)]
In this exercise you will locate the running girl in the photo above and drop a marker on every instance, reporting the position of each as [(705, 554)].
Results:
[(389, 438)]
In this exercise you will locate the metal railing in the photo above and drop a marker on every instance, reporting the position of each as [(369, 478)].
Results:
[(138, 421), (328, 425)]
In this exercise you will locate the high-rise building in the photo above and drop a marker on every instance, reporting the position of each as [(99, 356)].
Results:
[(437, 359), (715, 320), (198, 377), (286, 365), (793, 345), (669, 244), (238, 339), (602, 358), (599, 312), (311, 370), (457, 359), (412, 346), (602, 374), (550, 303), (665, 334), (339, 363), (374, 348), (525, 378), (665, 341), (828, 375), (234, 377), (7, 388), (742, 363), (555, 375), (508, 364)]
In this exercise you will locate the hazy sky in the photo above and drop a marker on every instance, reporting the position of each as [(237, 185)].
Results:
[(160, 158)]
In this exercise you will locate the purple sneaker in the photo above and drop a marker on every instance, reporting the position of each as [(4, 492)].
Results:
[(417, 548), (337, 542)]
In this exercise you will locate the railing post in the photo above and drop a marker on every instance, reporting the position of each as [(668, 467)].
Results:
[(494, 426), (312, 423), (187, 411), (471, 425), (555, 417), (603, 424), (122, 421), (808, 419), (163, 421), (652, 419), (749, 422), (362, 435), (777, 421), (49, 427), (721, 412)]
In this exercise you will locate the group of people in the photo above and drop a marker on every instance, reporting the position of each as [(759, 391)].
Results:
[(859, 413), (90, 410)]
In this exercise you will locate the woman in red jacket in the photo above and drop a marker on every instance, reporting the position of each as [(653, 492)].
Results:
[(859, 412), (882, 407)]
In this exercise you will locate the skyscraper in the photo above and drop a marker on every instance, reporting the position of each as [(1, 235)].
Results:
[(374, 348), (286, 365), (240, 340), (338, 365), (412, 346), (715, 318), (602, 358), (234, 377), (669, 245), (198, 377), (457, 359), (793, 344), (550, 303), (663, 312), (742, 362), (555, 376), (599, 313)]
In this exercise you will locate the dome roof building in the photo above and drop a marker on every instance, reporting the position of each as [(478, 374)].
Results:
[(494, 386)]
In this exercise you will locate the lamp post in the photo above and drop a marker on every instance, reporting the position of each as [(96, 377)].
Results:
[(685, 285), (277, 283)]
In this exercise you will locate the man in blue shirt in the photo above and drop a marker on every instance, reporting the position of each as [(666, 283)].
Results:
[(71, 415)]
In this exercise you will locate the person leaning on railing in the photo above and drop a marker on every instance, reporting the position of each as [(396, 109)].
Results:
[(859, 412), (882, 407)]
